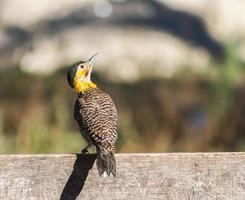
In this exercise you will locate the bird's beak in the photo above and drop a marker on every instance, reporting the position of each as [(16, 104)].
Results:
[(92, 59), (90, 64)]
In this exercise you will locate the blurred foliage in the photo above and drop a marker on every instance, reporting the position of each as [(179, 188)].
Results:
[(192, 111)]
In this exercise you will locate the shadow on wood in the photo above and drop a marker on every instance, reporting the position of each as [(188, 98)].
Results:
[(141, 176), (76, 181)]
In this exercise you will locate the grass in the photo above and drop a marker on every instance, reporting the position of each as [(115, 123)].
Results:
[(155, 115)]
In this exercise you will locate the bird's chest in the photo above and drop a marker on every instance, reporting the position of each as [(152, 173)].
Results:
[(85, 111), (83, 116)]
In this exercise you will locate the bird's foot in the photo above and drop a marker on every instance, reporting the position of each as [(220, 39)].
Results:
[(84, 151)]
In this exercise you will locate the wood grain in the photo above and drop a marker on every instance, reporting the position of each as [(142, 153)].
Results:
[(139, 176)]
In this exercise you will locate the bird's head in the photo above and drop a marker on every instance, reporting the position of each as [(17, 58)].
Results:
[(79, 75)]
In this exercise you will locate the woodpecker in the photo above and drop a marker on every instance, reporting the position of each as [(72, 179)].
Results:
[(96, 115)]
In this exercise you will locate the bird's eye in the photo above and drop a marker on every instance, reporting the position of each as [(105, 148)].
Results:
[(81, 66)]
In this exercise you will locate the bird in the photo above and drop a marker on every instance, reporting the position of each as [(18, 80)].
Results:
[(96, 114)]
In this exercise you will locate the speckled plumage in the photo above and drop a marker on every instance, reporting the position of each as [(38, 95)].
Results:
[(96, 115)]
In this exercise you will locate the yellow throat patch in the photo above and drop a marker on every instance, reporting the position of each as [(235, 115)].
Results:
[(79, 84)]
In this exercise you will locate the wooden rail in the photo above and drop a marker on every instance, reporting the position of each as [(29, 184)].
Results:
[(139, 176)]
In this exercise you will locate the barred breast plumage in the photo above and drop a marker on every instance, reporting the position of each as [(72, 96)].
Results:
[(96, 115)]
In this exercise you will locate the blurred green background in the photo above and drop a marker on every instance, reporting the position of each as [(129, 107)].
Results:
[(175, 70)]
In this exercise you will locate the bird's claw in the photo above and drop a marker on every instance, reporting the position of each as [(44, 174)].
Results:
[(84, 151)]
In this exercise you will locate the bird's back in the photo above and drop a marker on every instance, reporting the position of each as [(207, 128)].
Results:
[(96, 115)]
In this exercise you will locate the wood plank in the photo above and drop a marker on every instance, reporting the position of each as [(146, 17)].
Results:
[(139, 176)]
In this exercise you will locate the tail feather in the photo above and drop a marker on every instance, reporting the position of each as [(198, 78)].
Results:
[(106, 163)]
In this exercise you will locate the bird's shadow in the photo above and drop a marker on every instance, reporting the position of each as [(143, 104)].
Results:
[(76, 181)]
